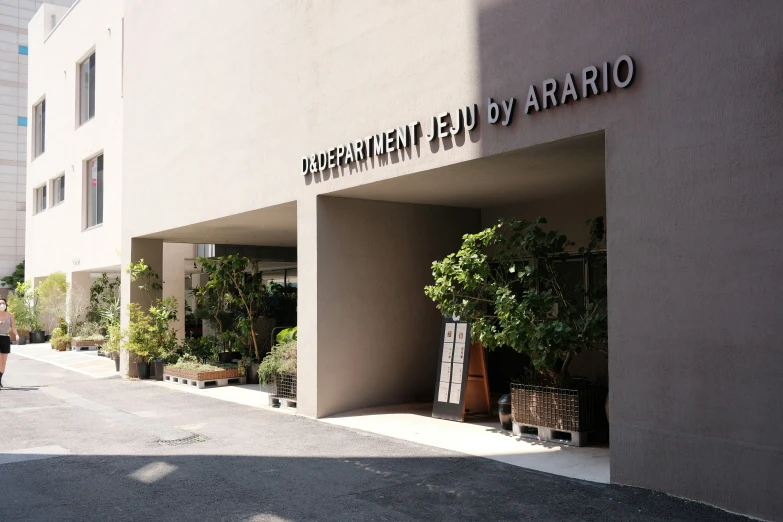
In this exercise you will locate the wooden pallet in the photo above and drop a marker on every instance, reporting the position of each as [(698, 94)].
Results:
[(570, 438), (277, 402), (88, 348), (211, 383)]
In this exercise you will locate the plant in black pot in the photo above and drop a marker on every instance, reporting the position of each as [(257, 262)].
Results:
[(150, 336), (522, 286), (23, 303), (113, 343), (52, 295), (234, 298)]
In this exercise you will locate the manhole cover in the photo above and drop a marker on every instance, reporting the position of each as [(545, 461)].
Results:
[(182, 442)]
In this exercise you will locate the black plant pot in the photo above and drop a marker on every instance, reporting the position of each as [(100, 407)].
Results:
[(143, 370), (117, 363), (504, 411), (47, 338), (37, 337), (158, 364), (227, 357), (22, 340), (252, 373)]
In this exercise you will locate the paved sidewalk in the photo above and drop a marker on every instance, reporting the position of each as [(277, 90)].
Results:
[(84, 362)]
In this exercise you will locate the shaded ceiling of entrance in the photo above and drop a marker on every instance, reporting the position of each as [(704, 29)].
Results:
[(270, 226), (531, 174)]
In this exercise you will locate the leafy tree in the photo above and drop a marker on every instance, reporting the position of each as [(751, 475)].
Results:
[(149, 332), (11, 281), (234, 285), (53, 298), (23, 303), (505, 282), (104, 294)]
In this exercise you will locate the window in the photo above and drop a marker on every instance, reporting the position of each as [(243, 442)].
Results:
[(94, 186), (58, 189), (87, 89), (39, 131), (39, 195)]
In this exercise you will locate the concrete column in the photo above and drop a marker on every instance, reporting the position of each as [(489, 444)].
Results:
[(174, 255), (377, 333), (307, 307), (79, 284), (134, 250)]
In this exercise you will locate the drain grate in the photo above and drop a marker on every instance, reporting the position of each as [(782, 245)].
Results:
[(182, 442)]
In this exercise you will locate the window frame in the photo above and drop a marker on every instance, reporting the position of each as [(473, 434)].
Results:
[(100, 189), (40, 204), (90, 89), (53, 183), (39, 134)]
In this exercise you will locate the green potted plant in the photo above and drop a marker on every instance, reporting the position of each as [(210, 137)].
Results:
[(104, 295), (150, 336), (60, 340), (190, 368), (113, 343), (280, 365), (235, 298), (140, 339), (52, 295), (25, 306), (18, 305), (109, 317), (88, 335), (509, 284)]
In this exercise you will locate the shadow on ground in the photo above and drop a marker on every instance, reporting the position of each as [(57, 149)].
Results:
[(215, 487)]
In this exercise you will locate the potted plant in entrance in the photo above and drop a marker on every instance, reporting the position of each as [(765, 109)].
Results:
[(23, 303), (507, 282), (150, 336), (280, 365), (140, 340), (112, 344), (60, 340), (52, 295), (19, 306)]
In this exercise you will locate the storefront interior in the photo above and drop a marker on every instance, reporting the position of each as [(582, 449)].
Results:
[(421, 218)]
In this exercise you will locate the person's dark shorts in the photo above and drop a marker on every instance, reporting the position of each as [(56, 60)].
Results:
[(5, 344)]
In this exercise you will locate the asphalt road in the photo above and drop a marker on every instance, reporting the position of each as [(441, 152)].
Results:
[(74, 448)]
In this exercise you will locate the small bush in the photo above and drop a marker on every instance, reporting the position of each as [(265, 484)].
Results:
[(282, 358)]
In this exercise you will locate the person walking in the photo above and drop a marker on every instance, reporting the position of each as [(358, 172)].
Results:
[(7, 327)]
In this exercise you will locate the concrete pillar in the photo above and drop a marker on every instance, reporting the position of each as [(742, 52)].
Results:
[(79, 284), (174, 255), (307, 307), (134, 250), (377, 333)]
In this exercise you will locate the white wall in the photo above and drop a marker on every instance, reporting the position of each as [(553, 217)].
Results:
[(56, 239), (14, 17)]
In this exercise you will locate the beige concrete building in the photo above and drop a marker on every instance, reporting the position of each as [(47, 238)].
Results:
[(370, 136), (74, 183), (14, 17)]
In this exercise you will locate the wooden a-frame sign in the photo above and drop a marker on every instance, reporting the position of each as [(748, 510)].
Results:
[(461, 386)]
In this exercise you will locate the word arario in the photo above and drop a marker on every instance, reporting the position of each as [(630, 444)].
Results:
[(591, 82)]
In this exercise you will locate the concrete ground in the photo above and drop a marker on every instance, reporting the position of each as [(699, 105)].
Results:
[(73, 447)]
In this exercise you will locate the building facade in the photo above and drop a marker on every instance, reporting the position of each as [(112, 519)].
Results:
[(74, 184), (14, 121), (371, 136)]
